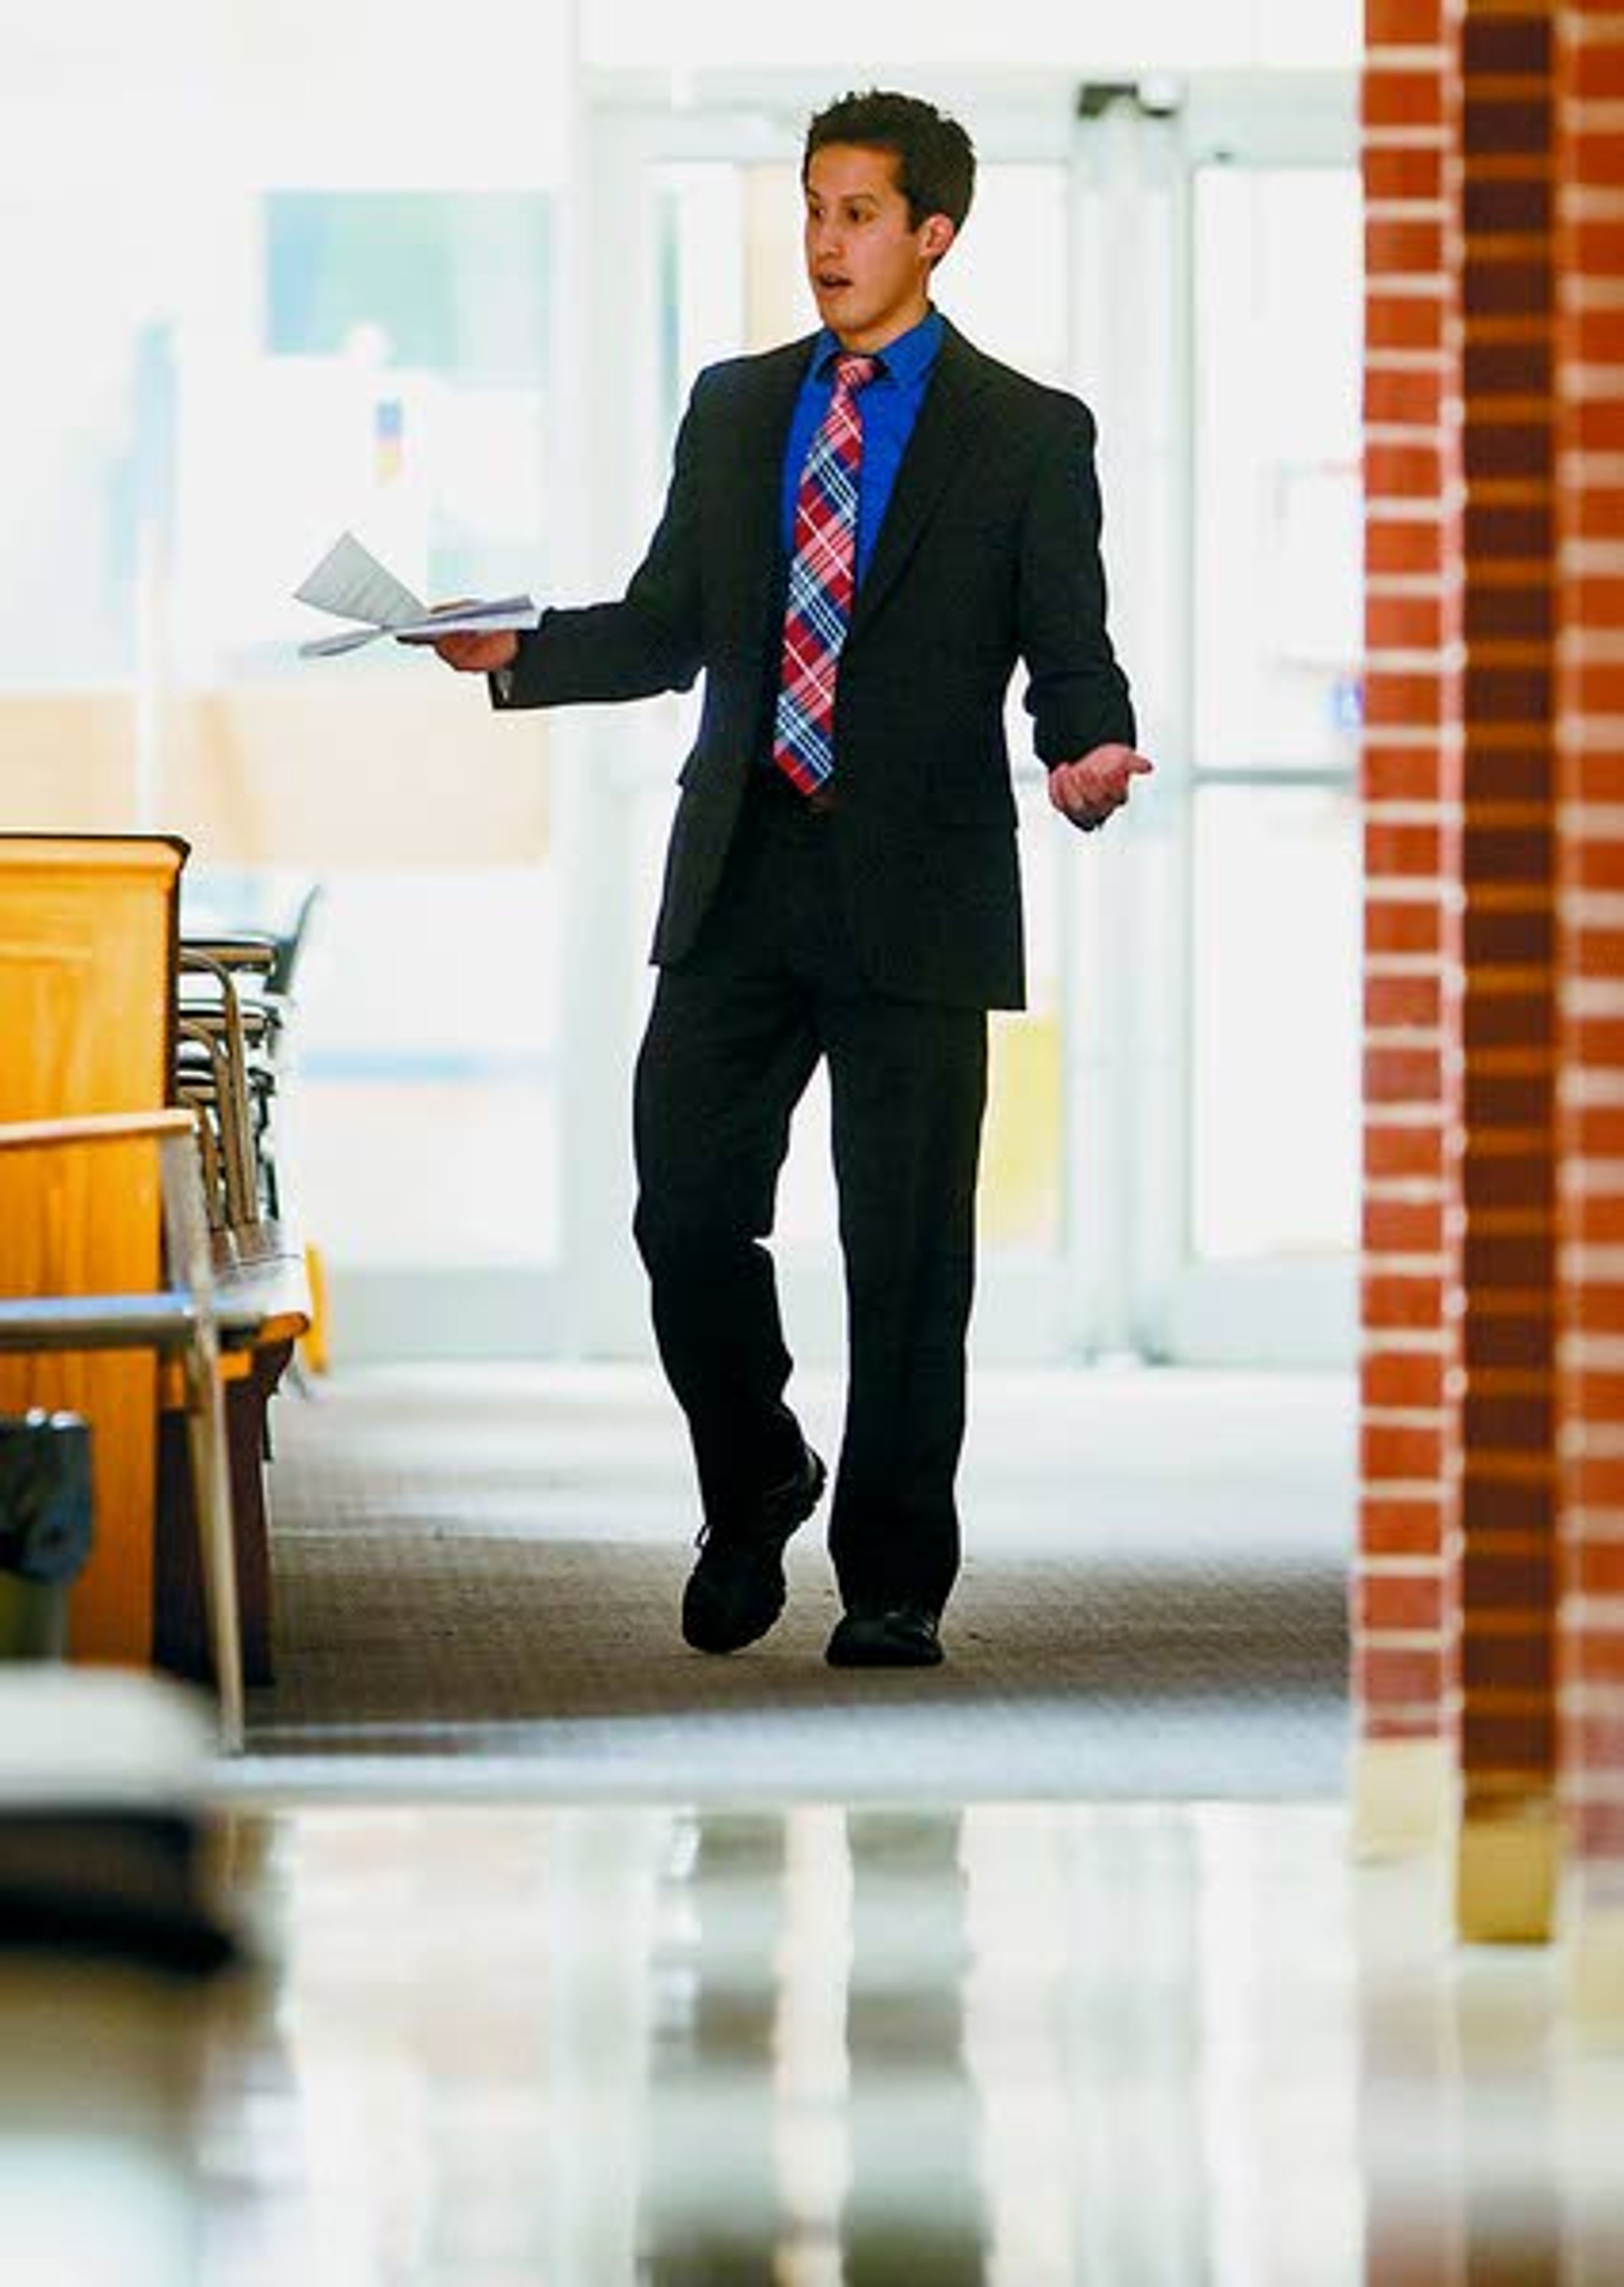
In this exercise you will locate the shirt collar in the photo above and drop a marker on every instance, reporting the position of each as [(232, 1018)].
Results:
[(907, 361)]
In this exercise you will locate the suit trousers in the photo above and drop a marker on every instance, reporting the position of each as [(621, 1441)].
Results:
[(737, 1029)]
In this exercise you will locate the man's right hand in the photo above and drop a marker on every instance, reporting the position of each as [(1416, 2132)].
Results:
[(475, 653)]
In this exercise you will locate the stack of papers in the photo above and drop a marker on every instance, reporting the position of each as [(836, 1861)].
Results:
[(351, 584)]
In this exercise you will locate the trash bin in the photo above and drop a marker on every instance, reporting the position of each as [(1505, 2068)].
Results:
[(45, 1520)]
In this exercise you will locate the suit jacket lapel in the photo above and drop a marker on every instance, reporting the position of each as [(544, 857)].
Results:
[(754, 503), (946, 420)]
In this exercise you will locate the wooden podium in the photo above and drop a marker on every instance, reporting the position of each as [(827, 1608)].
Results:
[(88, 928)]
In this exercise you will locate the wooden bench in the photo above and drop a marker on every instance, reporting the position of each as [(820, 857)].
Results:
[(89, 969)]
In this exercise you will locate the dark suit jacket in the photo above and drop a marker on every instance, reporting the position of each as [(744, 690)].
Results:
[(989, 553)]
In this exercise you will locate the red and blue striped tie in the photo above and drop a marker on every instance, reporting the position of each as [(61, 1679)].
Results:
[(822, 576)]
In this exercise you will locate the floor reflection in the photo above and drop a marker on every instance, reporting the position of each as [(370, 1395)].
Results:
[(1042, 2045), (1492, 2137), (101, 2081), (915, 2200), (713, 2107)]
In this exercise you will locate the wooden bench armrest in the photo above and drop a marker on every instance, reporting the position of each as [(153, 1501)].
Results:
[(161, 1321), (92, 1127)]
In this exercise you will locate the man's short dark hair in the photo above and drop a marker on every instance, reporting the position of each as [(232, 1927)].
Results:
[(936, 171)]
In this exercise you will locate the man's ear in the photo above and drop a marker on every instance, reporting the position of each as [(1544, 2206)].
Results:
[(936, 235)]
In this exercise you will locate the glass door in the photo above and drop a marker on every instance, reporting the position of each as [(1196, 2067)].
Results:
[(1217, 1071), (709, 263), (1150, 1186), (1274, 917)]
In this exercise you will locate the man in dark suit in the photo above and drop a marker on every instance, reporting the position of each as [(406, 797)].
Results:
[(864, 531)]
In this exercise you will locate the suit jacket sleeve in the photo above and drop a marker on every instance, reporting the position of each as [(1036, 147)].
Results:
[(649, 640), (1078, 696)]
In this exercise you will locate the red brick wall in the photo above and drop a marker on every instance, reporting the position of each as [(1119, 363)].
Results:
[(1491, 1581), (1500, 998), (1409, 798), (1590, 686)]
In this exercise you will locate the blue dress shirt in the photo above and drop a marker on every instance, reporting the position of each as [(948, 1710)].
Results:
[(891, 405)]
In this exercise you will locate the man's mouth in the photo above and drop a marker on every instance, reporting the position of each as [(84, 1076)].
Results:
[(832, 281)]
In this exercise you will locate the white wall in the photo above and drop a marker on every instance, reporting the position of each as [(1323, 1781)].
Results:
[(1099, 37)]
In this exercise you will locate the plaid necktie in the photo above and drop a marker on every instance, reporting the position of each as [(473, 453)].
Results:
[(822, 576)]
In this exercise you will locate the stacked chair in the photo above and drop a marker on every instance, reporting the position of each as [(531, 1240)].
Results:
[(239, 949), (235, 1007)]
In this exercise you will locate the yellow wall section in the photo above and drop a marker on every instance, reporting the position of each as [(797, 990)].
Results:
[(1020, 1193), (389, 771)]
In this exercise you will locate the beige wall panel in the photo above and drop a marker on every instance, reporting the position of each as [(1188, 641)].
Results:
[(417, 773), (421, 773), (67, 763)]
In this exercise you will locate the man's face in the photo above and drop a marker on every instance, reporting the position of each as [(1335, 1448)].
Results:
[(868, 268)]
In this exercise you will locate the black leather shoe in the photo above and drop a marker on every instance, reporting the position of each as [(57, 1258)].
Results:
[(896, 1635), (736, 1590)]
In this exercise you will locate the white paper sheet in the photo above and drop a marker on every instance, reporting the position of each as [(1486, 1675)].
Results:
[(351, 584)]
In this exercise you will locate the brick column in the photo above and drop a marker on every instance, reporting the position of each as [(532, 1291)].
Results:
[(1401, 1768), (1590, 378), (1490, 1592), (1501, 1008)]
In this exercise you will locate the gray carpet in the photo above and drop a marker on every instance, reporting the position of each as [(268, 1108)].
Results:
[(480, 1572)]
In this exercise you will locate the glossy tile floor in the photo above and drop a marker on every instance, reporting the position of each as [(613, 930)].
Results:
[(536, 2046)]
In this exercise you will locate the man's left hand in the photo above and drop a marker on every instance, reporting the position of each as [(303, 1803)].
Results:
[(1089, 789)]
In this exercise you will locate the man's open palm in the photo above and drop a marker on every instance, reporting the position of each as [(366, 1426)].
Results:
[(1089, 789)]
